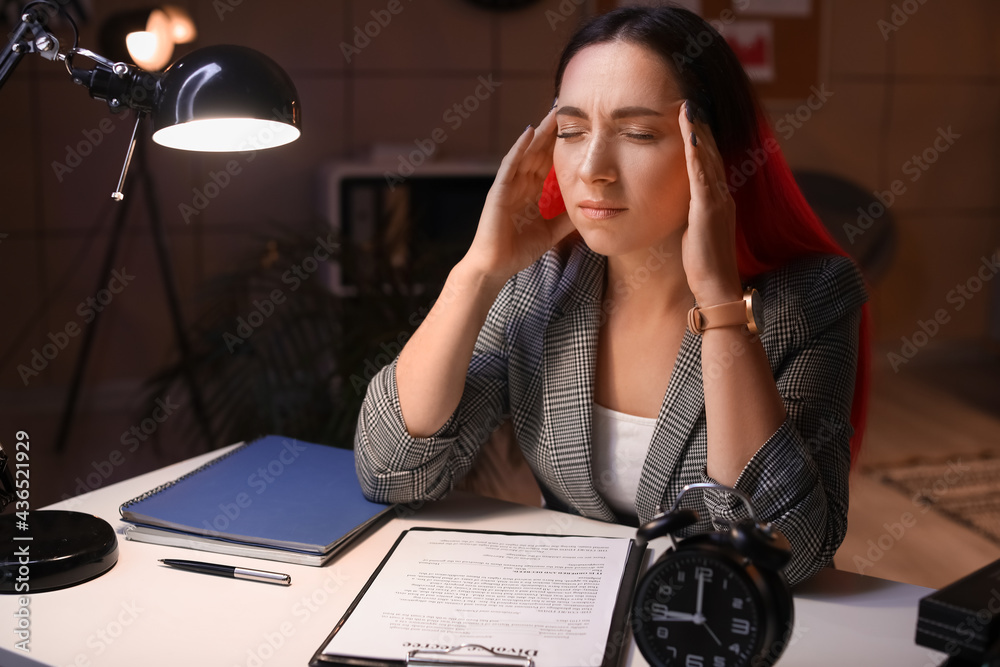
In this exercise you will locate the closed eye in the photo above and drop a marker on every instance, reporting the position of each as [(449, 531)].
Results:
[(633, 135)]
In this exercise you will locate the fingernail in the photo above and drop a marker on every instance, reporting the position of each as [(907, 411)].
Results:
[(555, 102), (527, 127), (687, 111), (694, 139)]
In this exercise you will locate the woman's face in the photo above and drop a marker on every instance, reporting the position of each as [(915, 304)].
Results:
[(619, 156)]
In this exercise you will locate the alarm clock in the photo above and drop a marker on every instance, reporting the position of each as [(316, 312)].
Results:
[(716, 599)]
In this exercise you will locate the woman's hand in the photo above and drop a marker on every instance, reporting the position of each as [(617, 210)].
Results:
[(512, 233), (708, 247)]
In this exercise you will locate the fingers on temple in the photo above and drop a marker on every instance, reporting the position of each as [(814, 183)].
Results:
[(538, 159), (705, 167), (511, 162)]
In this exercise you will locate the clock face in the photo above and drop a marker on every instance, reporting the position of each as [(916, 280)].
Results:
[(697, 610)]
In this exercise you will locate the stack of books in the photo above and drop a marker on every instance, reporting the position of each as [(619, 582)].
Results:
[(274, 498)]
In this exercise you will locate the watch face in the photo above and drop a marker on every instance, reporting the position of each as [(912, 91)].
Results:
[(697, 609)]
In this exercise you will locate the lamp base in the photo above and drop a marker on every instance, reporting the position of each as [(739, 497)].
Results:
[(65, 549)]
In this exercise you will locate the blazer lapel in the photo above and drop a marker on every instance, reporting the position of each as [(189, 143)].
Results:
[(569, 359), (683, 404)]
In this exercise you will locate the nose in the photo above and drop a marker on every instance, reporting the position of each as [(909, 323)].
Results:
[(599, 161)]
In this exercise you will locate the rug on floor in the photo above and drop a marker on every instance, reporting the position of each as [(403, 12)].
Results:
[(965, 490)]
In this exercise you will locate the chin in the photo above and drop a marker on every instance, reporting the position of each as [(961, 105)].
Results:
[(607, 242)]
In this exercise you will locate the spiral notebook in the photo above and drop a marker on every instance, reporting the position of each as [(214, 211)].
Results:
[(276, 498)]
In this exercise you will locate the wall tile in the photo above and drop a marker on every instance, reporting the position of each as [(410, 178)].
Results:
[(963, 175), (402, 111), (298, 36), (523, 100), (424, 35), (856, 43), (841, 136), (531, 39), (946, 39), (936, 254)]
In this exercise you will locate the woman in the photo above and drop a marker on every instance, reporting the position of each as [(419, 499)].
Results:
[(578, 323)]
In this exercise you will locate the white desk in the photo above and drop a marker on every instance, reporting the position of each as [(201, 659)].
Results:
[(142, 613)]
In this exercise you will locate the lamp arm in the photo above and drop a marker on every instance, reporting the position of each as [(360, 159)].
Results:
[(118, 84), (30, 36)]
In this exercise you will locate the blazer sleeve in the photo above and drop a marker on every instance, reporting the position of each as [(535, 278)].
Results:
[(395, 467), (798, 479)]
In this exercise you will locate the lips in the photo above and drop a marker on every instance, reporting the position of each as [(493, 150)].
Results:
[(600, 210)]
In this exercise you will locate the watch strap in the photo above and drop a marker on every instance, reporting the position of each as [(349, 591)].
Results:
[(729, 314)]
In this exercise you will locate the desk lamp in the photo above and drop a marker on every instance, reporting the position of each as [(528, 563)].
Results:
[(218, 98)]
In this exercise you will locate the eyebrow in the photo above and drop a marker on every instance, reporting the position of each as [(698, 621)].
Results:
[(624, 112)]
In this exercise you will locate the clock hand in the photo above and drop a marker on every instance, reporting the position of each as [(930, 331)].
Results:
[(701, 590), (705, 625), (673, 616)]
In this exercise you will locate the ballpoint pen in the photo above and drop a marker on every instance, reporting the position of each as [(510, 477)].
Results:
[(229, 571)]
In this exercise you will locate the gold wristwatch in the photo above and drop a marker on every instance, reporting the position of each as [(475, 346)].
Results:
[(747, 312)]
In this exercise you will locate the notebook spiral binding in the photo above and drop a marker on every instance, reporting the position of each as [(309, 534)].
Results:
[(163, 487)]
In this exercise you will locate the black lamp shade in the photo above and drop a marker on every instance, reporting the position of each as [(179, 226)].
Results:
[(226, 98)]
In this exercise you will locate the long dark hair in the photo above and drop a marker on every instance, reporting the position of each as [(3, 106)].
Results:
[(774, 223)]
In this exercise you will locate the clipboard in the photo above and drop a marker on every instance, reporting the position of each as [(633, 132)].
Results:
[(619, 633)]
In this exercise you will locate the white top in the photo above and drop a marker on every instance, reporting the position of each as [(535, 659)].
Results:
[(620, 443)]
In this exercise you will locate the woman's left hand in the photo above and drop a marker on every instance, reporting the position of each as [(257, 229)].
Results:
[(708, 247)]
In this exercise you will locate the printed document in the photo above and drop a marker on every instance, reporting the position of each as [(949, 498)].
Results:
[(546, 597)]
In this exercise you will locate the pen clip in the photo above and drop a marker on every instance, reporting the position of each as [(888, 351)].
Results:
[(429, 657)]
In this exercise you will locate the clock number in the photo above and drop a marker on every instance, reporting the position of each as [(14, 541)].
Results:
[(659, 611), (662, 632), (718, 661), (737, 603), (693, 660), (703, 573), (735, 648), (665, 592), (741, 626), (680, 577)]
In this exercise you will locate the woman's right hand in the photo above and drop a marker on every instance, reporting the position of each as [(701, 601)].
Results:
[(512, 233)]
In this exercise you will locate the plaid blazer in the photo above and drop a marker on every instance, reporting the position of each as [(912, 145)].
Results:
[(534, 361)]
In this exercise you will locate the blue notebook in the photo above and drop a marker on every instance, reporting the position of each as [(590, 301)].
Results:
[(275, 494)]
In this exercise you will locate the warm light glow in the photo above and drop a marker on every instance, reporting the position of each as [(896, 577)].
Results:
[(219, 135), (148, 50), (152, 48), (182, 28)]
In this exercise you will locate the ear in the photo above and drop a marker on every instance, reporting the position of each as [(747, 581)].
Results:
[(551, 202)]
